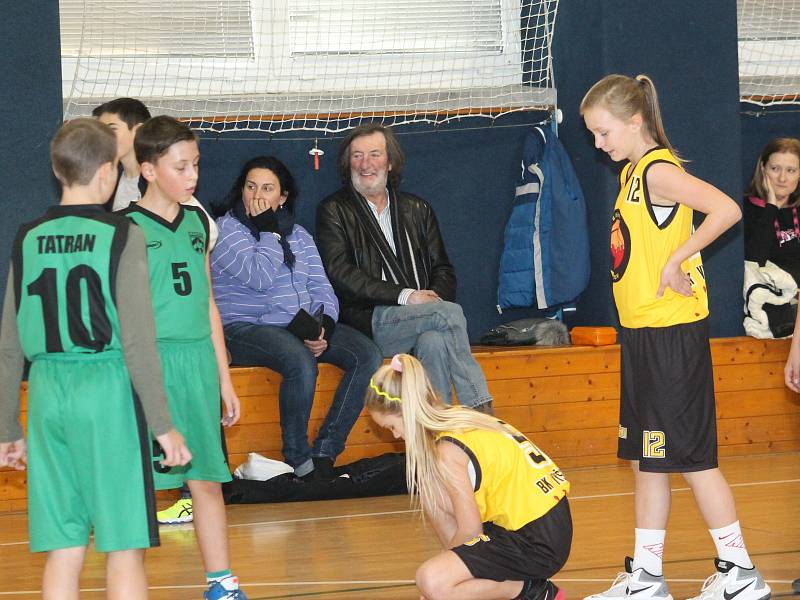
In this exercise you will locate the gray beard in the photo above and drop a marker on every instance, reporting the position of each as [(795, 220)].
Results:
[(379, 186)]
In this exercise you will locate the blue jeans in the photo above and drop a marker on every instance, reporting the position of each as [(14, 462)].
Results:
[(436, 333), (274, 347)]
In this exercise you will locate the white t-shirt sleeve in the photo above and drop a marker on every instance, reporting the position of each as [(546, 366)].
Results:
[(213, 231), (127, 192)]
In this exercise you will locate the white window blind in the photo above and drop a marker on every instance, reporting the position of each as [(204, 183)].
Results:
[(269, 64), (193, 28), (395, 26)]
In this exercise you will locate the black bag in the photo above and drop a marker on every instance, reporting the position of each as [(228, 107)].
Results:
[(781, 318), (383, 475), (528, 332)]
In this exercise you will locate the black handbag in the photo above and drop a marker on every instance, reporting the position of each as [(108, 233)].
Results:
[(781, 318)]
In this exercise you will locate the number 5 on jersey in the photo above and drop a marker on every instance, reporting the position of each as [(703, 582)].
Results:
[(182, 281)]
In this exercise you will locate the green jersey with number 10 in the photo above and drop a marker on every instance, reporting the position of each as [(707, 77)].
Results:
[(65, 266)]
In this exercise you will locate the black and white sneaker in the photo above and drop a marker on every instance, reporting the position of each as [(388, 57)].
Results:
[(732, 582), (635, 583)]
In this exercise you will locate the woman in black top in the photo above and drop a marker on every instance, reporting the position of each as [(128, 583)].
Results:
[(771, 212)]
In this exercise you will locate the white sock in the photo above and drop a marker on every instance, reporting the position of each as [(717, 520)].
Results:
[(648, 549), (730, 545)]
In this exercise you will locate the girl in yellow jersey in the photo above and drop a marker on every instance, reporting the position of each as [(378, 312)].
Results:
[(667, 414), (497, 502)]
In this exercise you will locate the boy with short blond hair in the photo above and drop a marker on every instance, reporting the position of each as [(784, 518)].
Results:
[(189, 333), (77, 305)]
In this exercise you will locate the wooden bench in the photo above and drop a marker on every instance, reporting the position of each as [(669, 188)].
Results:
[(564, 398)]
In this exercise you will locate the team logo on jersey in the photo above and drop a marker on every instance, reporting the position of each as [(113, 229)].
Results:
[(198, 242), (620, 246), (154, 245)]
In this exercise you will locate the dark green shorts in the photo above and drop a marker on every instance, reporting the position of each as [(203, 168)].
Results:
[(88, 456), (192, 384)]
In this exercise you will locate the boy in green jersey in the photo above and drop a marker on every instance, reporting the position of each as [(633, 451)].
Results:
[(189, 333), (77, 305)]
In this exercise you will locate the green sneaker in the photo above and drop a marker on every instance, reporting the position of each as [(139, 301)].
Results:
[(180, 512)]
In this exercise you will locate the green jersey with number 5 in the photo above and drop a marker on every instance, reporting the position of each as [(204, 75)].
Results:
[(65, 266), (176, 255)]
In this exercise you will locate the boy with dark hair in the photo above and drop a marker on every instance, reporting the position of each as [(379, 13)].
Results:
[(131, 111), (124, 116), (189, 333), (77, 305)]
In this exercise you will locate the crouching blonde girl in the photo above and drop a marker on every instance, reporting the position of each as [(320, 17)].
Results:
[(497, 502)]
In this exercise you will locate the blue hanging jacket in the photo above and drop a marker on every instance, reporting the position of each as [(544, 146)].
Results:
[(545, 261)]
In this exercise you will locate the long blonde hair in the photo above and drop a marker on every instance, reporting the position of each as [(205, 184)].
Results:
[(410, 395), (624, 97)]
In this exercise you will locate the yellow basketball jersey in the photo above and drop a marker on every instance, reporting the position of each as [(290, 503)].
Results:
[(514, 481), (640, 247)]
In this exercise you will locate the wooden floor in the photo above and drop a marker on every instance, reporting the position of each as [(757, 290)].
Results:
[(369, 548)]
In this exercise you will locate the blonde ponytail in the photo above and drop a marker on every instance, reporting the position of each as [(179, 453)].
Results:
[(409, 394), (625, 97)]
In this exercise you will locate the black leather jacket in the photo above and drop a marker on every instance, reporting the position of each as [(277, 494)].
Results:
[(346, 230)]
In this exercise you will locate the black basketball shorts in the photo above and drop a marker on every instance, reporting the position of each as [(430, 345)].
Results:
[(667, 417), (537, 550)]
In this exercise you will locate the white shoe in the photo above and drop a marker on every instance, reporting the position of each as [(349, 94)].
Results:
[(732, 581), (635, 584)]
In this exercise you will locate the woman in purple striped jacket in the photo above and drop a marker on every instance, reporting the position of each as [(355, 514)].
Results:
[(279, 311)]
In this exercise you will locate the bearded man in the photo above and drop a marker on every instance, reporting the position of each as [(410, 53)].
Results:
[(385, 256)]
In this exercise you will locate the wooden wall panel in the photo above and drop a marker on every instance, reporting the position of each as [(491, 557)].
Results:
[(566, 399)]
